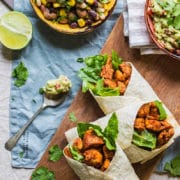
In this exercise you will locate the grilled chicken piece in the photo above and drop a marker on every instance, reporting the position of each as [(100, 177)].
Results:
[(139, 124), (110, 83), (90, 140), (93, 157), (144, 110), (156, 125), (105, 165), (164, 136), (107, 70), (78, 144), (107, 153), (125, 69)]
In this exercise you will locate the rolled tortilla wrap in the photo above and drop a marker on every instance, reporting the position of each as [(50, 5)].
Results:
[(126, 117), (120, 168), (138, 88)]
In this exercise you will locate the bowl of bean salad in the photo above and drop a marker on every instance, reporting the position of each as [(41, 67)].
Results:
[(73, 16)]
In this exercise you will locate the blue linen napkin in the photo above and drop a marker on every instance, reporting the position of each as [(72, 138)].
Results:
[(48, 55)]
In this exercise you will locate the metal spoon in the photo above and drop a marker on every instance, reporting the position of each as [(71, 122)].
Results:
[(47, 103)]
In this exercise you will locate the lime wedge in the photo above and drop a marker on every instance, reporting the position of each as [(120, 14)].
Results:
[(15, 30)]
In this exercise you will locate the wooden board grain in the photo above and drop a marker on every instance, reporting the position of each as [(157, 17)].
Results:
[(160, 71)]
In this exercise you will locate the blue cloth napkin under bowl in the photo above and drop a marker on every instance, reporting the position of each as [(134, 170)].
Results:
[(48, 55)]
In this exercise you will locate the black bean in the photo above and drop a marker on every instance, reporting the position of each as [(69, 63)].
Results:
[(74, 25)]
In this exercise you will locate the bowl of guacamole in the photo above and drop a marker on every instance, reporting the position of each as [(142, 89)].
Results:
[(162, 19)]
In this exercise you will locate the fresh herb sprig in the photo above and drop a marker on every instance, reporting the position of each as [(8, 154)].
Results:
[(21, 74)]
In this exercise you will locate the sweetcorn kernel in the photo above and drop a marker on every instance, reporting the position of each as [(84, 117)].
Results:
[(81, 22), (90, 2), (105, 6), (56, 5), (63, 13), (44, 2), (71, 3)]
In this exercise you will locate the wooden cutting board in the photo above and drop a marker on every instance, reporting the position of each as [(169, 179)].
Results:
[(163, 74)]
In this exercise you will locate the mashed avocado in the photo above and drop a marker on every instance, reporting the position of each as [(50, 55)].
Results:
[(166, 20), (57, 86)]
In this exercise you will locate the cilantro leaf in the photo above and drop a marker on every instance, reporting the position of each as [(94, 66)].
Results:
[(72, 117), (21, 74), (42, 173), (173, 167), (55, 153), (21, 154)]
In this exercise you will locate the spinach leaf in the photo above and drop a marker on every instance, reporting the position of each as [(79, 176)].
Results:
[(21, 74), (144, 139), (173, 167), (55, 153), (42, 173), (161, 109)]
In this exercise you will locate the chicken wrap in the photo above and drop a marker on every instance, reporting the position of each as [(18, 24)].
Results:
[(114, 83), (145, 129), (93, 153)]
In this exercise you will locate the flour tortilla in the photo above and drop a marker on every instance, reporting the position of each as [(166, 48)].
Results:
[(120, 168), (138, 88), (126, 117)]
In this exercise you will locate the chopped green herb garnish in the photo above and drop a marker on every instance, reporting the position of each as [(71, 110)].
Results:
[(21, 154), (34, 100), (41, 90), (42, 173), (21, 74), (55, 153), (173, 167), (80, 60), (72, 117)]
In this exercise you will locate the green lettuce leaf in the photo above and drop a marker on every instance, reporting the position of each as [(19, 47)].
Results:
[(100, 90), (111, 131), (144, 139), (90, 74), (109, 134), (83, 127), (161, 109), (173, 167), (75, 154), (116, 60)]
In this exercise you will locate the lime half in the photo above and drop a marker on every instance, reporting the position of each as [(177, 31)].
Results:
[(15, 30)]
